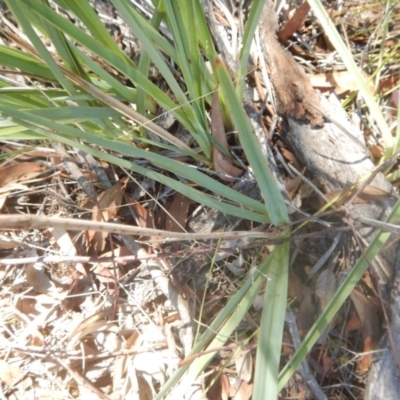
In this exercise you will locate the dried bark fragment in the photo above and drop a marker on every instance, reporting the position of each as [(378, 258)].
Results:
[(293, 89)]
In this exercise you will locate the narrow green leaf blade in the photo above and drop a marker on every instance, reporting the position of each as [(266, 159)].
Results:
[(272, 324), (274, 202)]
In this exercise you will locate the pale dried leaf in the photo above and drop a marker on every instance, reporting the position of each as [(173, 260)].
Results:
[(236, 267), (292, 186), (3, 199), (108, 340), (244, 366), (19, 172), (87, 322), (244, 392), (369, 194), (93, 328), (341, 81), (9, 374), (38, 152), (152, 364), (122, 362), (63, 240)]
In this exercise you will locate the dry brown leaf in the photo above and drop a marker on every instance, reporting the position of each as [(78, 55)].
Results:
[(89, 329), (220, 388), (6, 243), (144, 389), (99, 316), (19, 172), (28, 155), (354, 322), (389, 83), (26, 305), (292, 185), (140, 212), (295, 22), (9, 374), (368, 314), (109, 202), (291, 158), (377, 151), (222, 163), (369, 194), (105, 210), (177, 216)]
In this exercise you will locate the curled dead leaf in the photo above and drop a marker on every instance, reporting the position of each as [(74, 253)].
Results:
[(368, 314)]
